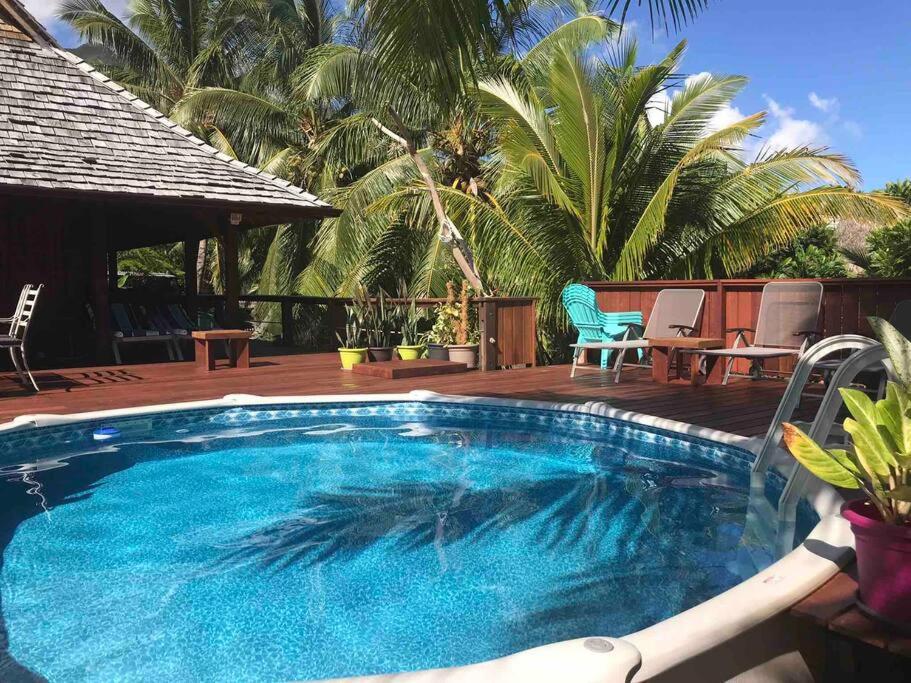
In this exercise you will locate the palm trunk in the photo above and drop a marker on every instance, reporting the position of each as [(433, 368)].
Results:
[(466, 263), (201, 266)]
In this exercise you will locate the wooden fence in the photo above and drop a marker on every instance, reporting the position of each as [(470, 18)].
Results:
[(507, 325), (735, 303)]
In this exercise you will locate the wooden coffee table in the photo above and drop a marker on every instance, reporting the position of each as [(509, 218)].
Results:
[(662, 349), (238, 348)]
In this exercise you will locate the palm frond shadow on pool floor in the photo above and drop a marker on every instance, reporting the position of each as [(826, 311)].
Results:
[(569, 510), (413, 515)]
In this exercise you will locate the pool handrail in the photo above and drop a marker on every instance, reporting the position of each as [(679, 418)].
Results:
[(792, 394), (797, 483)]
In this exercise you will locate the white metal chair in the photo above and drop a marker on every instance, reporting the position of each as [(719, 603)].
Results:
[(675, 313), (788, 319), (20, 323), (11, 321)]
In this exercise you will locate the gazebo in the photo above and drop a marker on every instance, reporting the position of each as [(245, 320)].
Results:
[(87, 169)]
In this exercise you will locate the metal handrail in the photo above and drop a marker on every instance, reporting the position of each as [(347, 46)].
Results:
[(862, 359), (801, 375)]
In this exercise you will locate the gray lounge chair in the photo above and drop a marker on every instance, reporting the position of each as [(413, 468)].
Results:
[(20, 323), (788, 319), (901, 321), (675, 313)]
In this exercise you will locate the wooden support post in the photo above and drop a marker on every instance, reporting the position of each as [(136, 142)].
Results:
[(232, 276), (337, 319), (190, 275), (287, 322), (99, 295), (113, 278), (718, 314)]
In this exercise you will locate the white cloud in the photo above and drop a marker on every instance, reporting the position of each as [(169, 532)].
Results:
[(658, 107), (693, 78), (853, 128), (793, 133), (724, 117), (824, 104), (44, 11), (777, 110), (790, 132), (783, 130)]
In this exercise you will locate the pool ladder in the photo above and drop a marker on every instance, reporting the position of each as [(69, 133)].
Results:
[(867, 353)]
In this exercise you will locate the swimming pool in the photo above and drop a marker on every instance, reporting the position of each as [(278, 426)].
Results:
[(307, 541)]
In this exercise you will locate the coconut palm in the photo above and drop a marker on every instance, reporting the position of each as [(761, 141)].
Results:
[(662, 12), (167, 46), (406, 77), (415, 124), (584, 184)]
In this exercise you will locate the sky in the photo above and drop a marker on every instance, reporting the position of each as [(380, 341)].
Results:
[(834, 73)]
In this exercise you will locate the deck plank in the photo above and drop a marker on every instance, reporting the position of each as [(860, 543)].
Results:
[(743, 407)]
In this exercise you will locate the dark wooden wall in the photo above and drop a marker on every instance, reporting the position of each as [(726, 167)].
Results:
[(47, 243), (735, 303)]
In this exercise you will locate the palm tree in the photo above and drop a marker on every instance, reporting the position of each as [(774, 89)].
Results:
[(583, 185), (222, 68), (166, 46), (661, 11), (406, 75)]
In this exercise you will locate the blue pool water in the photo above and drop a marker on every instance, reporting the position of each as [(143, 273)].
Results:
[(276, 544)]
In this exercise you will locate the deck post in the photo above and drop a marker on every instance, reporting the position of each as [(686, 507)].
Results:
[(113, 274), (100, 297), (232, 277), (719, 312), (287, 322), (190, 275)]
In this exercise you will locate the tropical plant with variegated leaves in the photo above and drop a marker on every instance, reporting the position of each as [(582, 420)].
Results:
[(878, 461)]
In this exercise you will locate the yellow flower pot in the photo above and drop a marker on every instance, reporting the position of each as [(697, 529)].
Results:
[(351, 357), (410, 352)]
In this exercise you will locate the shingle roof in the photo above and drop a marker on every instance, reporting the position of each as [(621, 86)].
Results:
[(66, 127)]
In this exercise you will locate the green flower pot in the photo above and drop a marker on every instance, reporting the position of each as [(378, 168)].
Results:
[(410, 352), (351, 357)]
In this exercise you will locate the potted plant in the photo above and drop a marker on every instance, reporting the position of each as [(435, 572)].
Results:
[(351, 349), (878, 464), (442, 334), (409, 320), (465, 349), (380, 325)]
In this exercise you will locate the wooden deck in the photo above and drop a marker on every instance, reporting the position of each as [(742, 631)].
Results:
[(743, 407)]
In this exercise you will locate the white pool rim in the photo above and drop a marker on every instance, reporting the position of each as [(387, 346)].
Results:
[(637, 656)]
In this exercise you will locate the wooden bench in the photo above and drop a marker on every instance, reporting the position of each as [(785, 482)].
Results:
[(238, 342)]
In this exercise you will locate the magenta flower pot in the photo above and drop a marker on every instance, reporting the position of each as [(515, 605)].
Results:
[(883, 563)]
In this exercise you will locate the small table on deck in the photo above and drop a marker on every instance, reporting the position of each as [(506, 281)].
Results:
[(661, 354), (238, 347)]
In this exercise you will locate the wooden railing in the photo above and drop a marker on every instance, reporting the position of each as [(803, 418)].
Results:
[(847, 303), (507, 325)]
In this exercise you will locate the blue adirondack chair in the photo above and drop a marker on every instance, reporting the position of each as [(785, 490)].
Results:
[(595, 325)]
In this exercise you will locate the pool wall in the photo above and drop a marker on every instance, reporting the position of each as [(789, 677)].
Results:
[(652, 652)]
